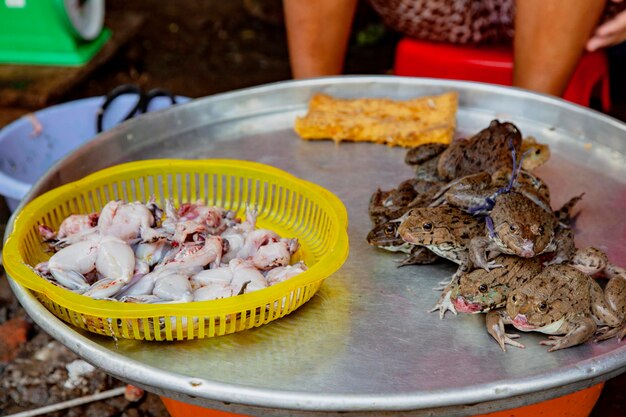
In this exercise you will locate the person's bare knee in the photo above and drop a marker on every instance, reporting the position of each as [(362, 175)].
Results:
[(550, 37)]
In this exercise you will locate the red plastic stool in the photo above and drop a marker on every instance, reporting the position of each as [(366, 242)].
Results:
[(495, 65)]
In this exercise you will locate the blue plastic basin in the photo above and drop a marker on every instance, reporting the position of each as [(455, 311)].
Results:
[(26, 153)]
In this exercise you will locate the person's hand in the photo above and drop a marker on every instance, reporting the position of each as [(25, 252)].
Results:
[(609, 33)]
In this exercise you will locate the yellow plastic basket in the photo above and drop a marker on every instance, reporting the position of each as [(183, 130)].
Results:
[(288, 205)]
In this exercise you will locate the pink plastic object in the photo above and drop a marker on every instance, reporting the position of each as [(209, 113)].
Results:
[(495, 65)]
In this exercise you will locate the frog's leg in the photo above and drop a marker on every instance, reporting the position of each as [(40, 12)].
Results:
[(478, 248), (590, 260), (465, 266), (614, 310), (419, 255), (564, 246), (581, 330), (463, 191), (495, 321), (445, 303), (564, 214), (606, 332)]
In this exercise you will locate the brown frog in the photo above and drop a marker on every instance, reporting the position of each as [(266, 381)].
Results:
[(473, 193), (489, 150), (385, 236), (424, 159), (535, 153), (480, 291), (444, 230), (561, 300), (389, 205), (518, 226)]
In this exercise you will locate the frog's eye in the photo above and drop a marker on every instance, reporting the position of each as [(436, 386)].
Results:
[(542, 307), (513, 228), (427, 226), (540, 230), (389, 229), (482, 288)]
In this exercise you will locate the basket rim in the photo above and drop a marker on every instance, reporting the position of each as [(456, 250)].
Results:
[(23, 274)]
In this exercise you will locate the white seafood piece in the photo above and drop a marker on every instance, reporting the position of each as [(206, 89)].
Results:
[(74, 228), (152, 252), (213, 291), (184, 228), (251, 216), (192, 219), (236, 238), (211, 216), (115, 258), (46, 232), (141, 268), (171, 218), (143, 299), (173, 285), (195, 255), (275, 254), (236, 234), (77, 224), (116, 262), (69, 265), (254, 240), (283, 273), (230, 219), (127, 221), (221, 275), (246, 277), (139, 286)]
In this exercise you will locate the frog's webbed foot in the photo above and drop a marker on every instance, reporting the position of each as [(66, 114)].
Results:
[(582, 332), (491, 265), (444, 304), (495, 327), (606, 332), (557, 342)]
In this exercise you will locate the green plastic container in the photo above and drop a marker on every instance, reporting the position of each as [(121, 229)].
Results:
[(51, 32)]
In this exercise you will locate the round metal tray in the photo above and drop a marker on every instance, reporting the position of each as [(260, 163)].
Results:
[(386, 355)]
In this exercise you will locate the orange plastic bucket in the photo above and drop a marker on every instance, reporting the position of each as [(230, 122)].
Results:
[(181, 409), (576, 404)]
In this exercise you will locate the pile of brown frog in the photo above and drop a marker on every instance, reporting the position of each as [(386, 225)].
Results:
[(476, 202)]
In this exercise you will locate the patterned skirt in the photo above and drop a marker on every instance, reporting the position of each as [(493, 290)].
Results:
[(458, 21)]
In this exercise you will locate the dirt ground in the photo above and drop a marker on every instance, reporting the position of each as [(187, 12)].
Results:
[(200, 48), (194, 49)]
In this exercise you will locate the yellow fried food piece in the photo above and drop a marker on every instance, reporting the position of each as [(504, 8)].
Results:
[(397, 123)]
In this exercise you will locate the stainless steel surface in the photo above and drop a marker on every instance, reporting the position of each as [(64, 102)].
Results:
[(364, 344)]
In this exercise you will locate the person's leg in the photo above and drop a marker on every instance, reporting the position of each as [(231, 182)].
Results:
[(550, 37), (317, 34)]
